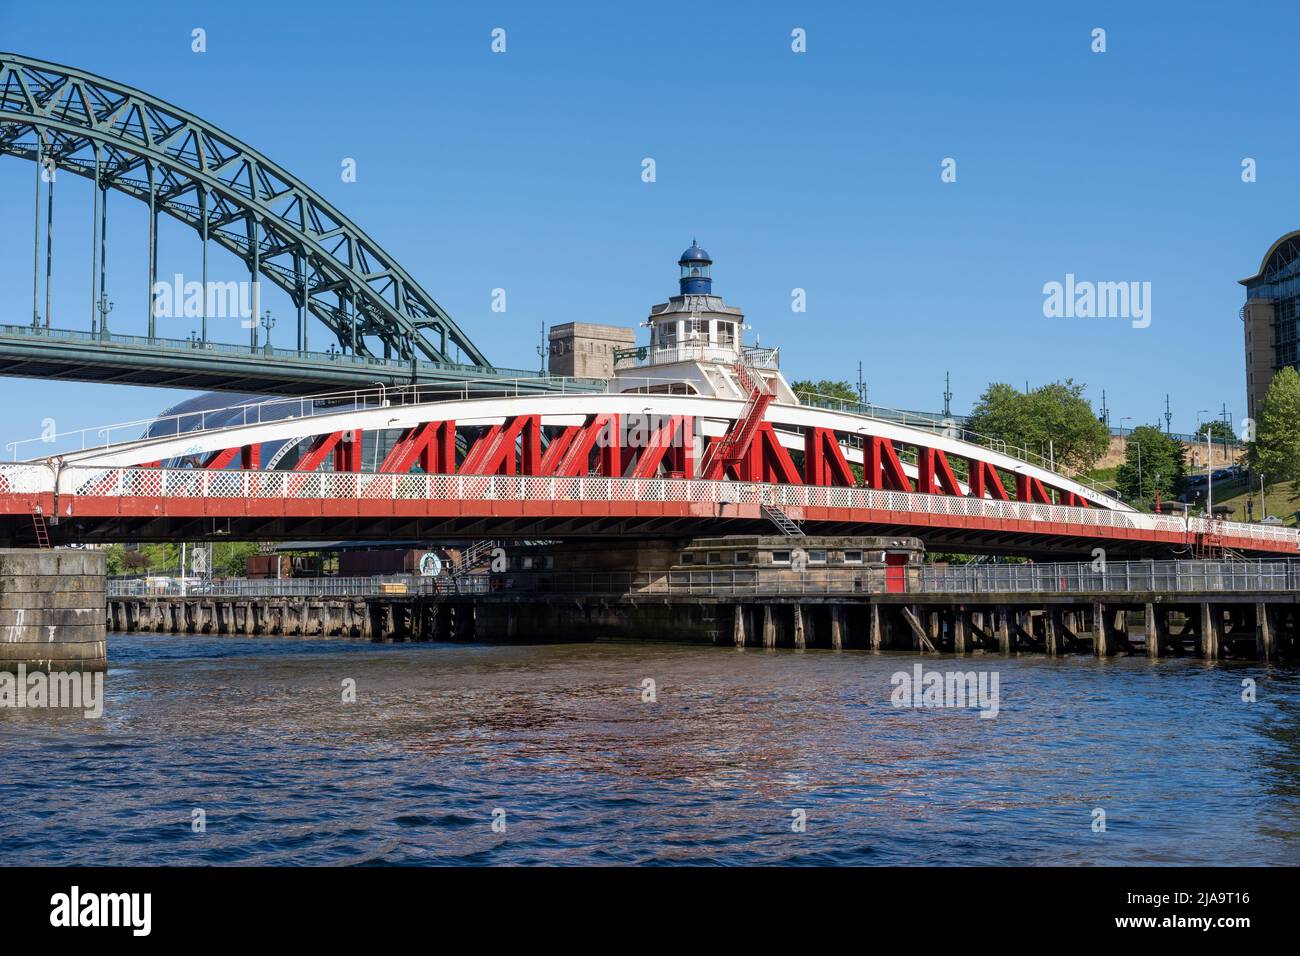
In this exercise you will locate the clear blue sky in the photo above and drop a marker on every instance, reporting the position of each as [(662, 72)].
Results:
[(817, 170)]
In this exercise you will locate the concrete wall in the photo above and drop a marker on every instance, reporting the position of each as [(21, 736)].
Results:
[(52, 610), (1193, 455)]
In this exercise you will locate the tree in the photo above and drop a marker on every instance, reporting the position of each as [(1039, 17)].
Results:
[(844, 391), (165, 558), (229, 557), (1153, 462), (1275, 452), (1053, 419), (1219, 430)]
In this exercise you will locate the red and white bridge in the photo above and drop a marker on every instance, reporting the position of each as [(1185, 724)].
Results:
[(552, 466)]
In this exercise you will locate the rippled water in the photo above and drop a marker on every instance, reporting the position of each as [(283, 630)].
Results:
[(254, 732)]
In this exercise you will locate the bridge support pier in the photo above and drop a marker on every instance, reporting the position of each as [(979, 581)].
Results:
[(52, 610)]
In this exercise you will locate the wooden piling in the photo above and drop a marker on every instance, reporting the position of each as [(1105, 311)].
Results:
[(1003, 628), (837, 627), (769, 627), (1265, 630), (1211, 630), (1151, 625), (959, 634), (1052, 631)]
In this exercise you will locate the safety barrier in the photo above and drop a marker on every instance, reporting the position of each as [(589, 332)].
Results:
[(254, 485)]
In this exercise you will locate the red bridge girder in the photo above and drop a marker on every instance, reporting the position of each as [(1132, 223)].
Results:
[(667, 446)]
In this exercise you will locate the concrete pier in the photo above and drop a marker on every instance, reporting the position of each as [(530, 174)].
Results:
[(52, 610)]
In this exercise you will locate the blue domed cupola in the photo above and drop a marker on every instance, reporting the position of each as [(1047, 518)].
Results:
[(696, 266)]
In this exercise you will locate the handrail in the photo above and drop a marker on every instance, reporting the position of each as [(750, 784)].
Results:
[(74, 480)]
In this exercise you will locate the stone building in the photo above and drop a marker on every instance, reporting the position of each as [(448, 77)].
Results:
[(585, 349)]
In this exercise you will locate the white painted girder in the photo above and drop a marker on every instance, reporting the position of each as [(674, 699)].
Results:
[(713, 417)]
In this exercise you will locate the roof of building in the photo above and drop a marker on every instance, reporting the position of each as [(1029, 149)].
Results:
[(1280, 254), (695, 254)]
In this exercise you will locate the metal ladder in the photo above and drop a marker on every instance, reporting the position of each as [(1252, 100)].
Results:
[(39, 529), (789, 527)]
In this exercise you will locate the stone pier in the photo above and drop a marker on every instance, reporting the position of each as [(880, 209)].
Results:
[(52, 610)]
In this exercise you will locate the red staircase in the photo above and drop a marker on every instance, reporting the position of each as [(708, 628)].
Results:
[(733, 447)]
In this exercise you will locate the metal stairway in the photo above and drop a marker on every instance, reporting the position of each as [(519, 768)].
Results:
[(473, 556), (733, 447), (789, 527)]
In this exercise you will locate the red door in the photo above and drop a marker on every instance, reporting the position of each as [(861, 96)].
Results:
[(895, 573)]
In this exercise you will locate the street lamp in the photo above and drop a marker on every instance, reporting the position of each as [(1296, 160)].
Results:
[(1209, 475), (267, 321), (104, 307)]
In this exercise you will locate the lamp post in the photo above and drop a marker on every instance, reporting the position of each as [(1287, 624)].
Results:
[(104, 307), (1262, 512), (1209, 475), (267, 321)]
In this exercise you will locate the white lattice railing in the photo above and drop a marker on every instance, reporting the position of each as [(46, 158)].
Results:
[(199, 483)]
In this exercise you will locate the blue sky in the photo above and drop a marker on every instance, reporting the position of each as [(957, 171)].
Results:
[(818, 171)]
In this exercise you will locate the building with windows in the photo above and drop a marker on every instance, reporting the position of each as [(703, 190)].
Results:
[(1269, 317)]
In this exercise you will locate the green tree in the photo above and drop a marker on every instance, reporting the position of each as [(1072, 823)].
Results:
[(844, 391), (1053, 419), (229, 557), (1153, 461), (163, 558), (1219, 430), (115, 560), (1275, 452)]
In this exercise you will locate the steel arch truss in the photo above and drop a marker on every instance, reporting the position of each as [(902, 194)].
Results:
[(138, 145)]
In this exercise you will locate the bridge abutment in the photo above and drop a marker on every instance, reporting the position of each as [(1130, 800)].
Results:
[(52, 610)]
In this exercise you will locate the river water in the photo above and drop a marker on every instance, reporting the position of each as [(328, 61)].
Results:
[(558, 745)]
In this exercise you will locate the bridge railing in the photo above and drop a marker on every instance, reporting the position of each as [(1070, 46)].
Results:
[(322, 587), (1112, 577), (286, 407), (85, 481), (979, 581)]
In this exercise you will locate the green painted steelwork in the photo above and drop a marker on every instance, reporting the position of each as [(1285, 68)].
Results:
[(133, 143)]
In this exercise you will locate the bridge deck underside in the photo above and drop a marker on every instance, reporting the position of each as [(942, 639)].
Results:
[(95, 519)]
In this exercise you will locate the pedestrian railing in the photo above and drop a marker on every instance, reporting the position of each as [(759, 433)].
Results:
[(1111, 577)]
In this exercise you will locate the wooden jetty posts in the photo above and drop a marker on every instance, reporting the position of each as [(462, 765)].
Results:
[(1257, 627)]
